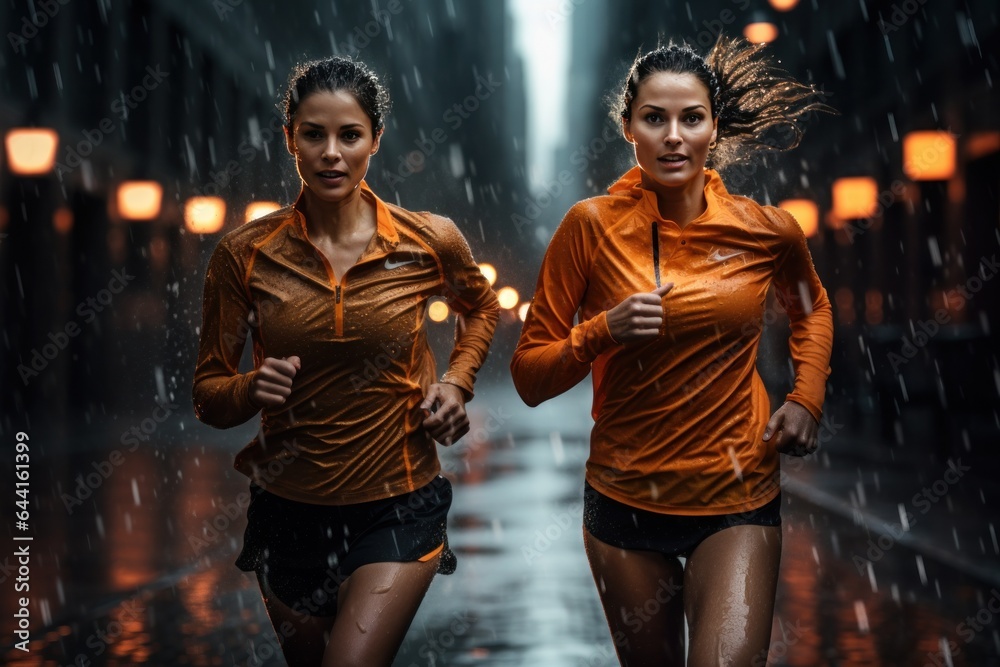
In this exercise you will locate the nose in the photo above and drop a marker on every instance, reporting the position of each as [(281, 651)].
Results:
[(331, 150), (673, 135)]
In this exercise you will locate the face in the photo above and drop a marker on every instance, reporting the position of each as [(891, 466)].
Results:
[(671, 127), (332, 141)]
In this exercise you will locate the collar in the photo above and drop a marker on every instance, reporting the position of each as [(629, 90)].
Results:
[(630, 185), (385, 225)]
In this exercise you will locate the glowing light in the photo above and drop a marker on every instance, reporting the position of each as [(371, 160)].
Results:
[(31, 151), (489, 272), (855, 197), (258, 209), (522, 311), (761, 32), (929, 156), (204, 215), (62, 220), (139, 200), (438, 311), (805, 212), (784, 5), (508, 297)]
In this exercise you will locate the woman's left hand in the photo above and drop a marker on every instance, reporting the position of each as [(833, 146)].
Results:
[(448, 423), (795, 428)]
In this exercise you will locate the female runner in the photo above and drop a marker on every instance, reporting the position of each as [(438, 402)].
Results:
[(346, 526), (669, 273)]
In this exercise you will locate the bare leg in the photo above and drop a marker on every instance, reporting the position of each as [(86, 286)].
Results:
[(641, 592), (375, 608), (302, 637), (729, 587)]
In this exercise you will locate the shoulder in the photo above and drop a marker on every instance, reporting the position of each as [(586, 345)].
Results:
[(596, 215), (760, 218), (242, 241), (436, 230)]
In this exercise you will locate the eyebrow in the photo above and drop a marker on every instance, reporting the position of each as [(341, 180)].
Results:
[(343, 127), (656, 108)]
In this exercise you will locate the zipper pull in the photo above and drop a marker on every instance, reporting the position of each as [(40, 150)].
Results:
[(337, 295)]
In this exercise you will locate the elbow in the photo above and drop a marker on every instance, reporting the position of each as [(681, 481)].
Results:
[(526, 388)]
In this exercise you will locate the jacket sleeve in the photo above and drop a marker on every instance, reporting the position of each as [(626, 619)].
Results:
[(552, 354), (469, 294), (220, 391), (800, 293)]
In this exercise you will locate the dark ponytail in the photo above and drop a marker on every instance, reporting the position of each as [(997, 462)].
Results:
[(760, 107)]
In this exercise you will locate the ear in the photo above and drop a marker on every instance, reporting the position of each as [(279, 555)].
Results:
[(377, 142), (715, 129), (627, 130), (289, 140)]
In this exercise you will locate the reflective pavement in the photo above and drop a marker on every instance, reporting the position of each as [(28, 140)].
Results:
[(884, 562)]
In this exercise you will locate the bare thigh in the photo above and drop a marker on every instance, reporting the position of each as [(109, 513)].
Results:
[(642, 596), (729, 587), (375, 608), (302, 637)]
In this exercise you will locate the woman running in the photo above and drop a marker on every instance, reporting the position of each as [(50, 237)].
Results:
[(670, 273), (346, 526)]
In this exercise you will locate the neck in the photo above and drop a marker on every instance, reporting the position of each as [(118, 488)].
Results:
[(338, 221), (681, 204)]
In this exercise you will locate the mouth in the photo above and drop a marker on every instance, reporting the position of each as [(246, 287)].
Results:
[(332, 175), (672, 159)]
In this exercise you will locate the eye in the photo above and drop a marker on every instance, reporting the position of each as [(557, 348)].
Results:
[(351, 135), (693, 118), (313, 134), (653, 117)]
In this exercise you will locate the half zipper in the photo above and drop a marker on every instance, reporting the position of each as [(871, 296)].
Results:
[(656, 253)]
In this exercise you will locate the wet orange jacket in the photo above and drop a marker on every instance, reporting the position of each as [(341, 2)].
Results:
[(679, 420), (351, 429)]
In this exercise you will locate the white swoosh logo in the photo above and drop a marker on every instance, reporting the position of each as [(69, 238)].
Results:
[(719, 257), (395, 265)]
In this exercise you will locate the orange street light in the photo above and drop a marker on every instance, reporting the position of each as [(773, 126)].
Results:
[(522, 311), (204, 215), (508, 297), (805, 212), (489, 272), (139, 200), (929, 156), (855, 197), (760, 32), (258, 209), (31, 151), (438, 311), (784, 5)]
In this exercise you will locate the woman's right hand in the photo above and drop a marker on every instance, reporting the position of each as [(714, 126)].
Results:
[(272, 382), (639, 317)]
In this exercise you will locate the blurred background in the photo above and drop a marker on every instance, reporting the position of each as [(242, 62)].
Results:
[(137, 133)]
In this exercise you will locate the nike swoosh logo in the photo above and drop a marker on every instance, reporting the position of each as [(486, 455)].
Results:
[(389, 265), (719, 257)]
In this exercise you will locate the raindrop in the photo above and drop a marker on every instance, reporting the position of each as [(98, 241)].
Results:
[(135, 492), (862, 615), (558, 452)]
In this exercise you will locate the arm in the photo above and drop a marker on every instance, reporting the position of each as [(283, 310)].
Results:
[(220, 391), (469, 294), (799, 291), (552, 354)]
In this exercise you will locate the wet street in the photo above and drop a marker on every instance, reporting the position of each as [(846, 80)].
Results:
[(131, 561)]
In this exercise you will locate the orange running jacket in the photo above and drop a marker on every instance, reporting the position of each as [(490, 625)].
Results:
[(679, 420), (351, 429)]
